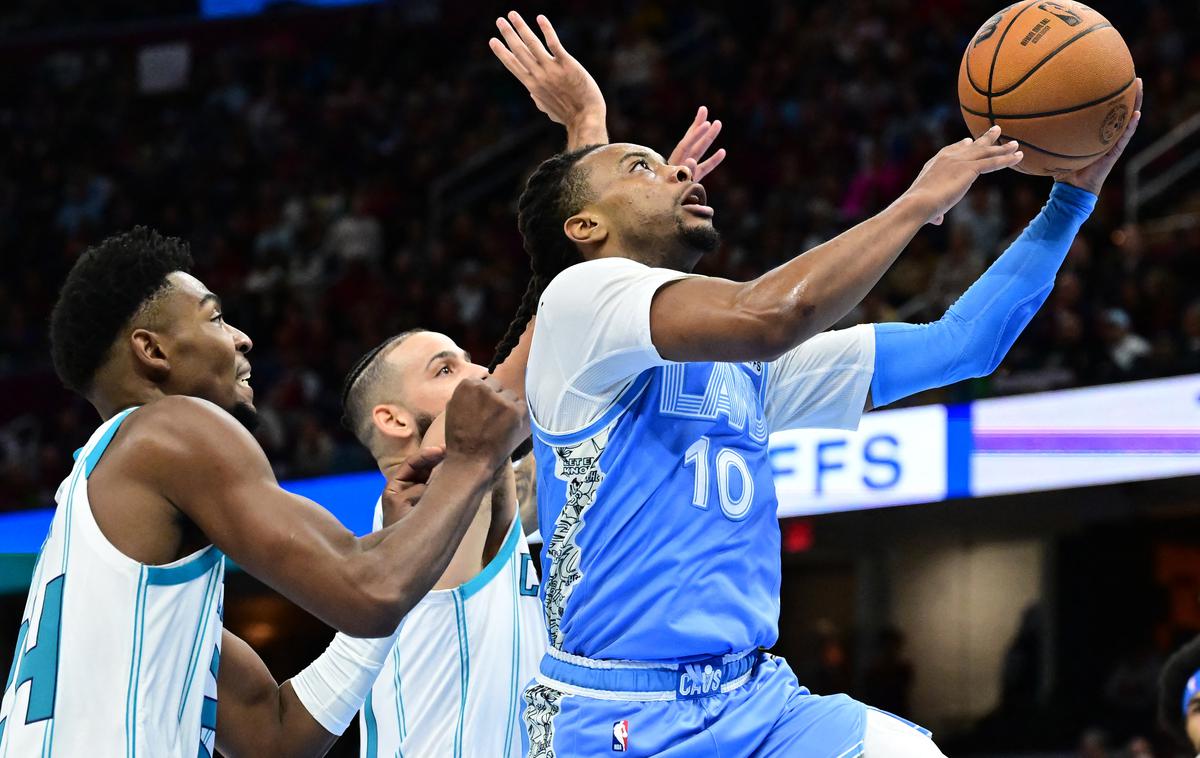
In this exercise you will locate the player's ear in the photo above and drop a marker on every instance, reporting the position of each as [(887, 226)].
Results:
[(393, 421), (586, 228), (150, 353)]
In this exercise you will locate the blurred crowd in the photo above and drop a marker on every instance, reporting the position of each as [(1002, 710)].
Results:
[(307, 161)]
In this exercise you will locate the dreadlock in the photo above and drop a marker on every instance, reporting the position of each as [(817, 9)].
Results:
[(556, 190)]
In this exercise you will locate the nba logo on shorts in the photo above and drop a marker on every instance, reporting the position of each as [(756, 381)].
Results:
[(620, 736)]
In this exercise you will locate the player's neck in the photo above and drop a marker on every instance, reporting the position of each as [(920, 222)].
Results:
[(109, 404), (673, 260)]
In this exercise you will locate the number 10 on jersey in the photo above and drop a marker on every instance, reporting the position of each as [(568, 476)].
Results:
[(732, 475)]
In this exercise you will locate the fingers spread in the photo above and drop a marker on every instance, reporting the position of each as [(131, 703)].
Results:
[(509, 60), (516, 44), (528, 37), (556, 48), (999, 162), (989, 137), (708, 166)]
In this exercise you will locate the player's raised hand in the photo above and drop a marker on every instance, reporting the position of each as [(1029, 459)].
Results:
[(695, 143), (484, 422), (559, 85), (948, 175), (1091, 178)]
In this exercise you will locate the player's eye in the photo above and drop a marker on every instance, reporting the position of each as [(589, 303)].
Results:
[(218, 318), (444, 370), (641, 163)]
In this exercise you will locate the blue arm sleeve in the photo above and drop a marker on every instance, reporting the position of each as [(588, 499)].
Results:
[(978, 330)]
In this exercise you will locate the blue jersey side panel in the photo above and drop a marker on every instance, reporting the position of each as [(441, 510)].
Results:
[(659, 519)]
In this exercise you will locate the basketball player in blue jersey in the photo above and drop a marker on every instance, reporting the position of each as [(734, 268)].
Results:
[(1179, 695), (121, 650), (652, 394), (453, 683)]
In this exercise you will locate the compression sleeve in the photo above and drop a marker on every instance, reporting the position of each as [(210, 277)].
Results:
[(334, 687), (973, 336)]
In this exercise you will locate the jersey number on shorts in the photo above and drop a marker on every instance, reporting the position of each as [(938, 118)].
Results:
[(729, 465), (38, 664)]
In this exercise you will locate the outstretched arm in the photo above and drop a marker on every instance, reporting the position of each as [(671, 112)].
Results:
[(709, 319), (564, 90), (978, 330), (214, 472)]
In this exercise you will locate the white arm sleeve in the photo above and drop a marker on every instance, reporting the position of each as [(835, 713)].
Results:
[(592, 338), (334, 687), (823, 382)]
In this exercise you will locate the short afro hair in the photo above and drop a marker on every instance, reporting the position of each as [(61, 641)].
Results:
[(1171, 684), (105, 288)]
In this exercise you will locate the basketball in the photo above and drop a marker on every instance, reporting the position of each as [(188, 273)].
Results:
[(1056, 76)]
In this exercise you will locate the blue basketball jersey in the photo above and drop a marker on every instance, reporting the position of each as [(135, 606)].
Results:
[(662, 543)]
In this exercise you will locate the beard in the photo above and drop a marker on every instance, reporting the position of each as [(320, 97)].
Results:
[(245, 415), (699, 239), (424, 421)]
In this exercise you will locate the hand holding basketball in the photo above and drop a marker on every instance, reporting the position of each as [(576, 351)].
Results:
[(948, 175), (1091, 178)]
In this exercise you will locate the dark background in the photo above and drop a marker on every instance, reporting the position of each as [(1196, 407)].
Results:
[(346, 174)]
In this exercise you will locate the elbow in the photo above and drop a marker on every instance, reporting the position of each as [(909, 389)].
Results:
[(380, 604)]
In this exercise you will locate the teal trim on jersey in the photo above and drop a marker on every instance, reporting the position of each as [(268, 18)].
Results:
[(194, 656), (186, 572), (208, 714), (135, 666), (215, 664), (93, 457), (627, 398), (67, 519), (464, 669), (371, 750), (516, 658), (495, 565), (401, 719), (203, 752)]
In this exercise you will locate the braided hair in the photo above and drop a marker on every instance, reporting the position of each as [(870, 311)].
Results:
[(556, 190)]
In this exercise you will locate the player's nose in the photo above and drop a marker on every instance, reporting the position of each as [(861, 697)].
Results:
[(241, 341), (682, 174)]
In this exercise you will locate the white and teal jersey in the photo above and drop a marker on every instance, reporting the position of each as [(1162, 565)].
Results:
[(113, 658), (453, 683)]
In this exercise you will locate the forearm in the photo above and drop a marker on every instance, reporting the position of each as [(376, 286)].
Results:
[(503, 511), (588, 129), (402, 562), (810, 293), (975, 334), (511, 373)]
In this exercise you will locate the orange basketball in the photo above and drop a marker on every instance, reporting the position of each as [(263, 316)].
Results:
[(1056, 76)]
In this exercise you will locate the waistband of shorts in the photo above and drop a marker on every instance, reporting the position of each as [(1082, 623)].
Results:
[(639, 681)]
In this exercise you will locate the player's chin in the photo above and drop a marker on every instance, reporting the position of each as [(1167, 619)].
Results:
[(699, 234), (245, 414)]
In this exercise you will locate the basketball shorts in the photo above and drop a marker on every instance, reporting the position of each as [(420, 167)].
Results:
[(731, 707)]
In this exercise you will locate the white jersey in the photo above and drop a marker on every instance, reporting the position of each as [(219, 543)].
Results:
[(114, 658), (453, 683)]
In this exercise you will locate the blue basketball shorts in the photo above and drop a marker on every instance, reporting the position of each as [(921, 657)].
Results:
[(748, 705)]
